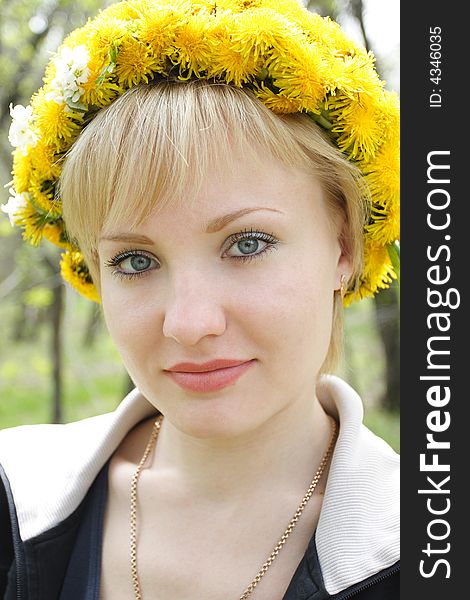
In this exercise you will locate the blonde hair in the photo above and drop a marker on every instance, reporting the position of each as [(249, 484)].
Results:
[(156, 141)]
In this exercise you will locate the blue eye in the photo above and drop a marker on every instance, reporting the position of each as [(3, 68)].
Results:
[(136, 263), (250, 244), (132, 263)]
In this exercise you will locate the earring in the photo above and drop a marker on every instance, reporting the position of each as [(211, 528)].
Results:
[(342, 289)]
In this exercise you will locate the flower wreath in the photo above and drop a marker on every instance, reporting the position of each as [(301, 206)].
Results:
[(293, 60)]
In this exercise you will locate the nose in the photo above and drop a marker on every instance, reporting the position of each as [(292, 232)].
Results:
[(194, 309)]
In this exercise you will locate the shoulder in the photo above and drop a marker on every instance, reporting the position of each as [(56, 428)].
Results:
[(49, 468)]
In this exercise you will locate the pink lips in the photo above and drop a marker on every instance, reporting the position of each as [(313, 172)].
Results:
[(208, 377)]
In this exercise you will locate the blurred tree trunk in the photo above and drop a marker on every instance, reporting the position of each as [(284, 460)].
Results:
[(20, 322), (92, 327), (57, 313), (387, 317), (356, 8)]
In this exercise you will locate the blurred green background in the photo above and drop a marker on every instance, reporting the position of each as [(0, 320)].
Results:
[(57, 362)]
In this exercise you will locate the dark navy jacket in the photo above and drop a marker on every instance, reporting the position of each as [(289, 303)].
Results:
[(50, 539)]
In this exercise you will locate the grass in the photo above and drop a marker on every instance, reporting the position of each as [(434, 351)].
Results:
[(95, 380), (93, 377)]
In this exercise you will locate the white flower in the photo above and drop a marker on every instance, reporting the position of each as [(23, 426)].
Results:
[(71, 71), (15, 203), (56, 96), (21, 134)]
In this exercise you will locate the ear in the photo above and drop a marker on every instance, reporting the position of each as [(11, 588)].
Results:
[(344, 266)]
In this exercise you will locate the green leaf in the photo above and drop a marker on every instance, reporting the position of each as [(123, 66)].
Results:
[(76, 106), (113, 52), (321, 120), (394, 254)]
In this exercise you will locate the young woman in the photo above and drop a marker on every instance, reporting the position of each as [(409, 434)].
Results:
[(222, 209)]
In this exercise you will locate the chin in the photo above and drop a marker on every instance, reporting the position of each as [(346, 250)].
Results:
[(220, 416), (216, 422)]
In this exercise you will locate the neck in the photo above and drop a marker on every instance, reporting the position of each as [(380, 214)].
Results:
[(282, 454)]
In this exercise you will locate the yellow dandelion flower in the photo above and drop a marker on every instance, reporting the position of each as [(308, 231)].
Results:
[(135, 63), (377, 274), (278, 103), (383, 174), (45, 162), (57, 124), (127, 10), (334, 42), (28, 219), (74, 271), (207, 6), (22, 168), (235, 6), (359, 125), (293, 10), (43, 200), (194, 47), (99, 90), (233, 67), (390, 106), (54, 233), (100, 94), (300, 75), (78, 37), (230, 61), (49, 74), (378, 270), (131, 10), (385, 227), (105, 33), (117, 10), (354, 74), (255, 32), (158, 29)]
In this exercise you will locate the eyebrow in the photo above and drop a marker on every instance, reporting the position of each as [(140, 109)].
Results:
[(221, 222), (212, 227), (132, 238)]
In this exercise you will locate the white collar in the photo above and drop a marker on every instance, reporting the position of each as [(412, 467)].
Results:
[(358, 529)]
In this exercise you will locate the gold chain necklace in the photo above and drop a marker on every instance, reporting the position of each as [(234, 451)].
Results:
[(277, 548)]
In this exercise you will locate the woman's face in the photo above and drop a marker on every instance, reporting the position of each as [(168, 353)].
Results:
[(243, 271)]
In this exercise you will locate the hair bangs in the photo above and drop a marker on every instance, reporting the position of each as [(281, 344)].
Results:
[(156, 144)]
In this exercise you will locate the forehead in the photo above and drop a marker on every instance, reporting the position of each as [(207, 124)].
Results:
[(159, 145), (250, 185)]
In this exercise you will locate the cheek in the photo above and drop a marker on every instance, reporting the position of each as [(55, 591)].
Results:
[(129, 320), (292, 314)]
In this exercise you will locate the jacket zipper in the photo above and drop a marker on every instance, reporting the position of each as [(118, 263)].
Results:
[(19, 569), (18, 554), (368, 584)]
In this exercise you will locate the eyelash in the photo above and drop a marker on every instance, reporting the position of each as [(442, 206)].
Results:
[(268, 238), (113, 263), (248, 234)]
